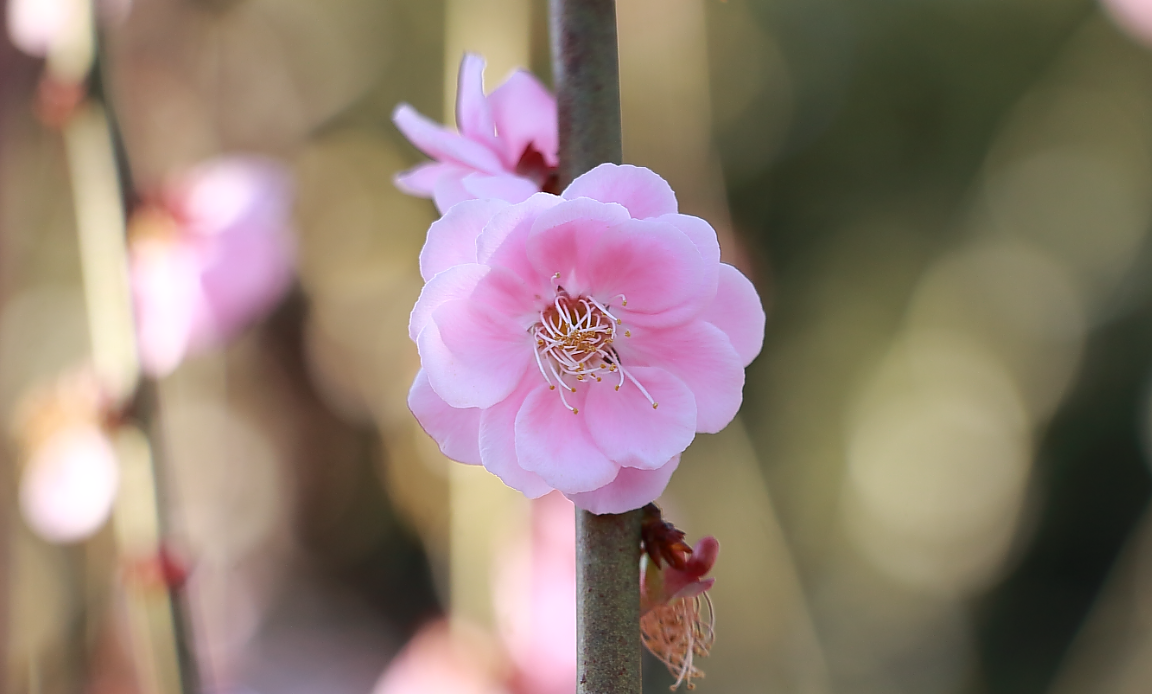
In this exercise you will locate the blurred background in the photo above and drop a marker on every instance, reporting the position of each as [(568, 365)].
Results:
[(939, 479)]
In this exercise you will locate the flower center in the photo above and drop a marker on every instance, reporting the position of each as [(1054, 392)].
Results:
[(574, 340)]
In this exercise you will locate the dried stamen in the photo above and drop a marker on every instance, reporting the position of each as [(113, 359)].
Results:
[(678, 633)]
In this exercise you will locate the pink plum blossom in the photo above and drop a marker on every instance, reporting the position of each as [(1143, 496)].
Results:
[(1134, 16), (69, 484), (213, 257), (579, 341), (505, 149)]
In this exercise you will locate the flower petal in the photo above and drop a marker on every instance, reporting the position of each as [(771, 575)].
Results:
[(700, 355), (640, 190), (167, 298), (473, 115), (704, 236), (502, 242), (450, 191), (452, 238), (738, 312), (508, 187), (454, 283), (634, 432), (562, 240), (503, 292), (498, 441), (421, 179), (554, 443), (656, 268), (631, 489), (474, 357), (525, 114), (442, 144), (456, 430)]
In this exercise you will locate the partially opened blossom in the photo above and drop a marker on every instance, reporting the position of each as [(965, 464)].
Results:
[(70, 473), (211, 257), (579, 342), (505, 148), (677, 622)]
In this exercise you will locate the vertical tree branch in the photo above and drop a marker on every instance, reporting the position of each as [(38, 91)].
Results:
[(608, 603), (585, 69), (586, 72)]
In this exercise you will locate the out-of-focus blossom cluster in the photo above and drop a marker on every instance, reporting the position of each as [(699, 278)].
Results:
[(210, 256), (70, 470)]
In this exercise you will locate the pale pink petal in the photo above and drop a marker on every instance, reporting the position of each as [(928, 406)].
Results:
[(508, 187), (704, 236), (69, 485), (701, 356), (421, 179), (503, 241), (634, 432), (452, 238), (245, 273), (473, 115), (563, 238), (653, 267), (35, 26), (442, 144), (449, 191), (454, 283), (455, 430), (554, 443), (503, 292), (498, 441), (442, 660), (167, 298), (232, 193), (535, 599), (641, 191), (525, 114), (631, 489), (738, 312), (1134, 16), (474, 357)]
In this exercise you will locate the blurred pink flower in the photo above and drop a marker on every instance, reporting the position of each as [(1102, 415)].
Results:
[(535, 597), (506, 147), (70, 474), (69, 484), (579, 342), (443, 660), (212, 258), (37, 26), (1134, 16)]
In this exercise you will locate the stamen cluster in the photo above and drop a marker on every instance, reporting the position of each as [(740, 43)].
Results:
[(574, 338)]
